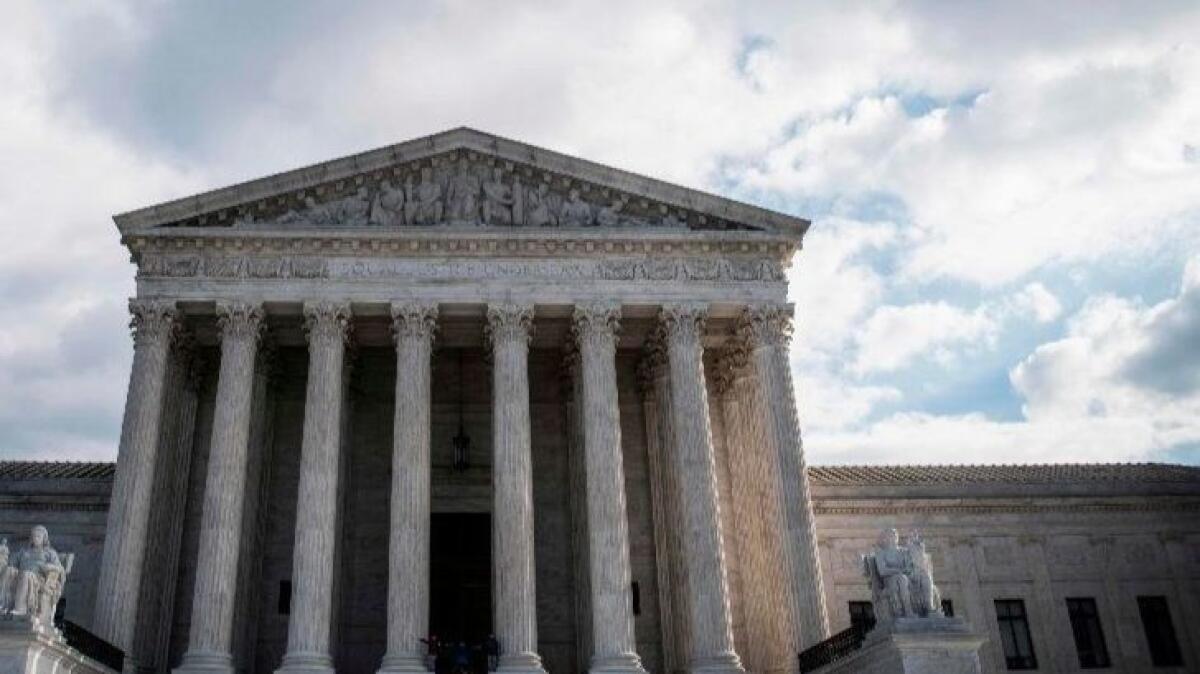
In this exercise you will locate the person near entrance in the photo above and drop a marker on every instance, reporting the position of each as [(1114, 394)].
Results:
[(492, 648), (432, 646), (462, 658)]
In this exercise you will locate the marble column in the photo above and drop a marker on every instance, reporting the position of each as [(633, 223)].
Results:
[(767, 330), (413, 326), (154, 324), (655, 382), (211, 633), (509, 328), (613, 644), (711, 631), (326, 325), (767, 630)]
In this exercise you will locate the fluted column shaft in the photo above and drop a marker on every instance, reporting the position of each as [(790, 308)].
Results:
[(413, 326), (509, 330), (766, 330), (154, 325), (308, 650), (614, 647), (211, 635), (711, 631)]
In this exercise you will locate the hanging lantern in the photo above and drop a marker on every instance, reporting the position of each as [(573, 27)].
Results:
[(461, 442)]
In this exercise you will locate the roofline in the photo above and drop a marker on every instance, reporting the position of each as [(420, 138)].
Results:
[(453, 139)]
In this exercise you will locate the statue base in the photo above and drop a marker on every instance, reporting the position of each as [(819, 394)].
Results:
[(29, 647), (933, 645)]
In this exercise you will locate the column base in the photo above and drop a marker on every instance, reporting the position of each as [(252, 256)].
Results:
[(521, 663), (306, 663), (205, 663), (724, 663), (406, 664), (628, 663)]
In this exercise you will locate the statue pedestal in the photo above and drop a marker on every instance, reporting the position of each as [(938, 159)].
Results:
[(933, 645), (28, 647)]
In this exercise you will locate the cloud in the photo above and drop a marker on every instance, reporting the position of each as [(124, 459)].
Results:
[(896, 334), (957, 161)]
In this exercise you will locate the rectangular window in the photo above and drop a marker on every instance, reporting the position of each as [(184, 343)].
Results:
[(1160, 632), (1089, 636), (1014, 634), (862, 615), (947, 608)]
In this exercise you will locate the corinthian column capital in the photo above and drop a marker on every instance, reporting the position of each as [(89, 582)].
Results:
[(327, 321), (597, 321), (766, 325), (153, 319), (683, 321), (509, 322), (414, 319), (240, 320), (730, 364)]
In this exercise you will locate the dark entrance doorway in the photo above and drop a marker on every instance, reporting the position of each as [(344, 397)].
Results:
[(460, 583)]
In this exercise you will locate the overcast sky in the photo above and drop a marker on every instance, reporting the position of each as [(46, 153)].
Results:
[(1004, 262)]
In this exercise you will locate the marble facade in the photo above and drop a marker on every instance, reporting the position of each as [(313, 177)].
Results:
[(457, 241)]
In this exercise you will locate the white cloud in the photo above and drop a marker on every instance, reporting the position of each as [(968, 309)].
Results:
[(1040, 302), (1000, 140), (894, 335), (1122, 385)]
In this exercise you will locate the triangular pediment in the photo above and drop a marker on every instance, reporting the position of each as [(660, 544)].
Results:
[(460, 177)]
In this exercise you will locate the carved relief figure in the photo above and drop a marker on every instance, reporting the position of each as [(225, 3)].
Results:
[(669, 220), (575, 212), (611, 216), (497, 200), (464, 194), (388, 209), (428, 204), (352, 210), (33, 579), (539, 207)]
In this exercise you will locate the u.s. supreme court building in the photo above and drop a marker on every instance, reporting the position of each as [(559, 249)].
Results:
[(462, 385)]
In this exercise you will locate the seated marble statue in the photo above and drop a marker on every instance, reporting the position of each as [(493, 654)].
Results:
[(33, 579), (926, 599), (887, 568)]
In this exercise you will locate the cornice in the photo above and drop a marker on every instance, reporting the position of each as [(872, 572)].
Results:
[(875, 508), (224, 202), (475, 241)]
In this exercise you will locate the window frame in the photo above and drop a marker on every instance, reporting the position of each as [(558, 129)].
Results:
[(1012, 620), (1084, 614), (1158, 607)]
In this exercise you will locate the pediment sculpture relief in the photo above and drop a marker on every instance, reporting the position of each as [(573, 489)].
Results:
[(470, 189)]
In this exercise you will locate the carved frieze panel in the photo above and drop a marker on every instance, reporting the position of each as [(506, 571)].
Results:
[(462, 187), (251, 266)]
